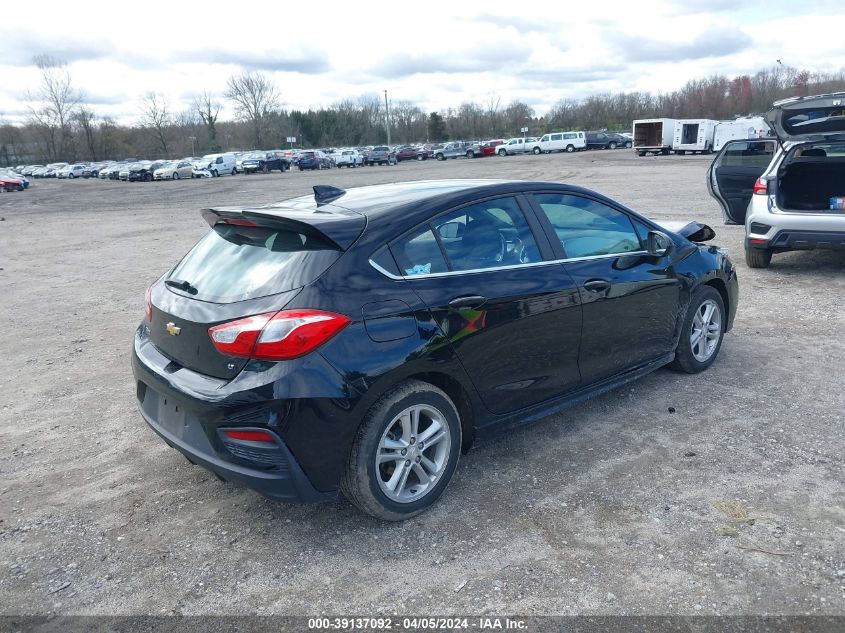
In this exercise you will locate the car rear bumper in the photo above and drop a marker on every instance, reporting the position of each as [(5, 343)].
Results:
[(282, 481), (785, 231), (192, 425), (793, 240)]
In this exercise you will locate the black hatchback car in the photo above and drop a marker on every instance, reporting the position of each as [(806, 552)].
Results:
[(358, 341)]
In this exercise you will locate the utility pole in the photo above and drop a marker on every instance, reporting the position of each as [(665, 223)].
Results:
[(193, 139), (387, 118)]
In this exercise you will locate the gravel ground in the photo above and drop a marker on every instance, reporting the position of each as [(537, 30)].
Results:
[(720, 493)]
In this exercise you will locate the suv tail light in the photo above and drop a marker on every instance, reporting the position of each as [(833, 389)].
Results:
[(761, 187), (148, 302), (280, 335)]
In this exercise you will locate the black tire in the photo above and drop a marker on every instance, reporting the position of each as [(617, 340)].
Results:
[(640, 153), (758, 257), (360, 483), (214, 173), (470, 154), (537, 151), (440, 157), (502, 152), (685, 360), (680, 152), (629, 145), (420, 157), (612, 146), (570, 149)]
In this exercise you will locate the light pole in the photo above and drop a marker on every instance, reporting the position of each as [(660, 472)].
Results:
[(387, 118), (193, 139)]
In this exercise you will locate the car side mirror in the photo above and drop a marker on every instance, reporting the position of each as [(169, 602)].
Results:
[(658, 244)]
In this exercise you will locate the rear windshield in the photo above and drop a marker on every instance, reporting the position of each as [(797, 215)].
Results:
[(235, 263), (814, 120)]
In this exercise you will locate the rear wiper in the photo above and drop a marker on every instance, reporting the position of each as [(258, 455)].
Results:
[(181, 284)]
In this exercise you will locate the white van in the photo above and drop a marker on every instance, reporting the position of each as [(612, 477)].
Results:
[(560, 142), (215, 165)]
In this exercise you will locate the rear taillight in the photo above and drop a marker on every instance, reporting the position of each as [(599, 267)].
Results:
[(761, 187), (281, 335), (250, 436), (148, 302)]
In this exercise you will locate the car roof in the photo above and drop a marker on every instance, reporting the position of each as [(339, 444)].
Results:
[(392, 208)]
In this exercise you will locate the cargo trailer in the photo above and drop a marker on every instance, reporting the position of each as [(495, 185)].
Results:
[(653, 135), (740, 129), (694, 135)]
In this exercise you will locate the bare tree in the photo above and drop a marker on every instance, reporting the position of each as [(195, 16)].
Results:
[(208, 109), (84, 118), (254, 96), (155, 115), (56, 101)]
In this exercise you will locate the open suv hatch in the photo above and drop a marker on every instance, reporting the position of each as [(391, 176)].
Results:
[(787, 191)]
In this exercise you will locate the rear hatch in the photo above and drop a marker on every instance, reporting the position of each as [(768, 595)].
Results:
[(812, 174), (820, 117), (253, 261)]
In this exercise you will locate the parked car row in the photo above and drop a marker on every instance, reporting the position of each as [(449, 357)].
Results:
[(282, 160), (11, 180)]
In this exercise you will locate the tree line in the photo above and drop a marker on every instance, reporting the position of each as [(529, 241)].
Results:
[(61, 126)]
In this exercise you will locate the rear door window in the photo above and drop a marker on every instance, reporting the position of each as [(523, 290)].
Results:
[(235, 263), (748, 154), (419, 253)]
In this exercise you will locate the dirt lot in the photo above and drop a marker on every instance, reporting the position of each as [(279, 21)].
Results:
[(731, 504)]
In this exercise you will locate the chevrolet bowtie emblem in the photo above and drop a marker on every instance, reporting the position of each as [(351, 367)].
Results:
[(172, 329)]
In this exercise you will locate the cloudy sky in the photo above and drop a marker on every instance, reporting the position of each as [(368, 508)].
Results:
[(437, 54)]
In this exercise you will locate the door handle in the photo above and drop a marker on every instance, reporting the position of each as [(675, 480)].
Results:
[(597, 285), (468, 301)]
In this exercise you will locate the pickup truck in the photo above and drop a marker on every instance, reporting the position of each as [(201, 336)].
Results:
[(348, 158), (486, 148), (407, 152), (517, 145), (381, 155), (450, 150)]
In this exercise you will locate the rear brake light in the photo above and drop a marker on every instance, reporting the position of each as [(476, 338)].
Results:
[(281, 335), (148, 302), (250, 436), (238, 222), (761, 187)]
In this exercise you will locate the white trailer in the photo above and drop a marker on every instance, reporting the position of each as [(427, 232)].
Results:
[(694, 135), (740, 129), (653, 135)]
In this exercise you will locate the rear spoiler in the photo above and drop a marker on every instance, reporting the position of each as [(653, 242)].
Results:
[(693, 231), (333, 224)]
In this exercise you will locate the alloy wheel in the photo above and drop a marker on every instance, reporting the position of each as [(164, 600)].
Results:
[(413, 453), (706, 330)]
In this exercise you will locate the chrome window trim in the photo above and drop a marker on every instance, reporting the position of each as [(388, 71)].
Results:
[(475, 271)]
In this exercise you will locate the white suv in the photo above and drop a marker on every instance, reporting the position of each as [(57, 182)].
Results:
[(787, 191)]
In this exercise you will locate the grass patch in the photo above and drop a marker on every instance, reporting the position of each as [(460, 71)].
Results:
[(733, 510)]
